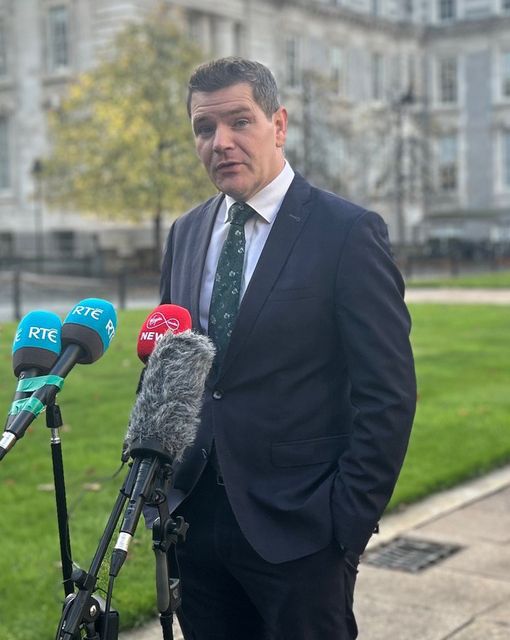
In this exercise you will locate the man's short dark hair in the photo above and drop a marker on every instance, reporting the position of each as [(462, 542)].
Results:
[(225, 72)]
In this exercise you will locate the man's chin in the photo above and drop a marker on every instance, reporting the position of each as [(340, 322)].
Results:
[(233, 188)]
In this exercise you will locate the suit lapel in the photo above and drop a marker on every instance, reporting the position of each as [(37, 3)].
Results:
[(289, 223), (203, 231)]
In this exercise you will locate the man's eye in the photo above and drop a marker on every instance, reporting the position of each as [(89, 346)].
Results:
[(204, 130), (241, 123)]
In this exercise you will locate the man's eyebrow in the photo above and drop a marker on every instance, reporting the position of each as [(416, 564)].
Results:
[(238, 110), (231, 112)]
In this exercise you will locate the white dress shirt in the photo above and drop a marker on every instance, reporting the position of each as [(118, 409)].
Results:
[(266, 203)]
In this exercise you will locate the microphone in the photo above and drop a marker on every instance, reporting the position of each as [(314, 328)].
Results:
[(35, 349), (166, 317), (86, 334), (88, 330), (163, 421)]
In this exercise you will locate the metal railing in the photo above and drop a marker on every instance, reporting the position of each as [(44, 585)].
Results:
[(22, 291)]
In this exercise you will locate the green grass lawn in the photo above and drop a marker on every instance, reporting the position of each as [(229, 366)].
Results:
[(461, 430), (492, 279)]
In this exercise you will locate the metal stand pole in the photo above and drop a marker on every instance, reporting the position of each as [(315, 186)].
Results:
[(54, 422), (166, 533)]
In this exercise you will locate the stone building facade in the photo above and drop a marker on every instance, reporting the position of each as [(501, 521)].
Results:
[(403, 105)]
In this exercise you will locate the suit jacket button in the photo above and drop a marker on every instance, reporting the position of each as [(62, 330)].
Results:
[(217, 394)]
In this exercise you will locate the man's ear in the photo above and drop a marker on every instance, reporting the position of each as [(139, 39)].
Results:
[(280, 126)]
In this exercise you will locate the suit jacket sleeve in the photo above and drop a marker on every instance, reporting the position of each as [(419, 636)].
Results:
[(374, 326)]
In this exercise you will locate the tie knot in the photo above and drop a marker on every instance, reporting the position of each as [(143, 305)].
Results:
[(239, 212)]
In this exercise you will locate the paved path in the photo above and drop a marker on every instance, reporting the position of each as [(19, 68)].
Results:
[(458, 295), (59, 302), (465, 597)]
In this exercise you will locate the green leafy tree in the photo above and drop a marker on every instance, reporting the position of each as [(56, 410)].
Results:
[(121, 143)]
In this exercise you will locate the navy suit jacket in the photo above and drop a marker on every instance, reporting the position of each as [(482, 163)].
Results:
[(312, 408)]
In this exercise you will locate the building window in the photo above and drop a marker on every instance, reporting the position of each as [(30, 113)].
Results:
[(448, 89), (505, 74), (65, 243), (3, 48), (377, 76), (407, 9), (5, 181), (6, 245), (448, 164), (411, 73), (202, 30), (239, 38), (446, 10), (58, 38), (337, 69), (292, 62), (506, 159), (505, 6), (336, 153), (194, 27), (294, 145)]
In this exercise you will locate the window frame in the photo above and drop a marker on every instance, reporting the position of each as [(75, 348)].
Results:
[(4, 48), (441, 90), (54, 65), (294, 68), (448, 168), (6, 161), (442, 15)]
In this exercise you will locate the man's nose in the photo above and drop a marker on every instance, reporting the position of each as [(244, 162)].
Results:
[(223, 138)]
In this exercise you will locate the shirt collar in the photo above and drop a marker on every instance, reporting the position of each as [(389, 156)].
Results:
[(268, 200)]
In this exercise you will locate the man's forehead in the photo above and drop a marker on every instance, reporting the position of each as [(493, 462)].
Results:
[(235, 98)]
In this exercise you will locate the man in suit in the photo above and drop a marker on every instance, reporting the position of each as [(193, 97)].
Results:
[(309, 406)]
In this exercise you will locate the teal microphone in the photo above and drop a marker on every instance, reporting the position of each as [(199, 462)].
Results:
[(35, 349), (37, 342), (86, 334), (91, 326)]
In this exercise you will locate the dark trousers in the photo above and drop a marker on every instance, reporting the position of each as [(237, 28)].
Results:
[(230, 593)]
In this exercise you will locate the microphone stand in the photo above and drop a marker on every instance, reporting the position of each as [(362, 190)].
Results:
[(152, 489), (166, 533), (83, 610), (54, 422)]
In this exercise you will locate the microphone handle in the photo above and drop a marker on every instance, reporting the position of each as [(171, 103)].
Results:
[(41, 397), (142, 489), (21, 395)]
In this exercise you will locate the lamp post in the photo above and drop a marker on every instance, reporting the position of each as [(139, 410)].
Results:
[(37, 170), (399, 105)]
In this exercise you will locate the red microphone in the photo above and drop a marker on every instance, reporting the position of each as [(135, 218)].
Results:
[(166, 317)]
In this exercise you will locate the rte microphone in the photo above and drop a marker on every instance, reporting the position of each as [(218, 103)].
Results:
[(35, 349), (86, 334), (164, 420)]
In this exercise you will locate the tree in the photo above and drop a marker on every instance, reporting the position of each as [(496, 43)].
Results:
[(390, 158), (121, 141)]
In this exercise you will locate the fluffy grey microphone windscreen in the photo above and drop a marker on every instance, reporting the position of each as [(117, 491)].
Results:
[(167, 409)]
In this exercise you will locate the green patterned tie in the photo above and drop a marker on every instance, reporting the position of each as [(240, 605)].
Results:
[(227, 281)]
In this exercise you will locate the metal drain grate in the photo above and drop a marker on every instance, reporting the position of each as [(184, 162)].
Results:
[(410, 554)]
